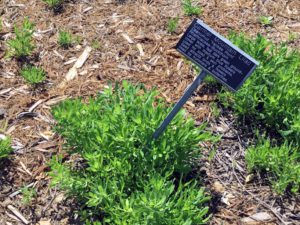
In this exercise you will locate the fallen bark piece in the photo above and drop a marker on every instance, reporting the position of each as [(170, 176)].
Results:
[(87, 9), (26, 115), (141, 50), (45, 222), (78, 64), (227, 198), (127, 38), (71, 74), (5, 91), (58, 54), (17, 214), (20, 190), (35, 105), (258, 217), (70, 61), (56, 100), (25, 168), (249, 178), (13, 217), (83, 57)]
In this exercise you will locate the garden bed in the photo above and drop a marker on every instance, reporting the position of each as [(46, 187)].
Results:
[(129, 42)]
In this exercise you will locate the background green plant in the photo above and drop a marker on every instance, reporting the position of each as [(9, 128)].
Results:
[(5, 147), (65, 39), (209, 79), (266, 20), (28, 195), (54, 3), (122, 165), (293, 36), (272, 93), (271, 96), (22, 45), (96, 44), (190, 9), (172, 25), (33, 75)]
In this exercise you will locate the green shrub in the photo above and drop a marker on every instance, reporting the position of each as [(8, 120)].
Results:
[(283, 162), (111, 136), (160, 203), (172, 25), (22, 45), (33, 75), (190, 9), (54, 3), (272, 93), (5, 147), (65, 39)]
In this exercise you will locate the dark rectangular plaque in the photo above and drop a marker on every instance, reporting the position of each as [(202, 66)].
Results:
[(217, 55)]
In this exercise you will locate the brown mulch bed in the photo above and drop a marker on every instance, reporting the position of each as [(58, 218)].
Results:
[(135, 46)]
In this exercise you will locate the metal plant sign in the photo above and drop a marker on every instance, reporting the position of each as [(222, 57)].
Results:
[(216, 56)]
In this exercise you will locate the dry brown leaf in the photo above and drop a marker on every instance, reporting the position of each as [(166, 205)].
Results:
[(218, 187)]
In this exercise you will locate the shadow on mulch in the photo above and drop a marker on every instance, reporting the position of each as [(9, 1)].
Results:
[(5, 179)]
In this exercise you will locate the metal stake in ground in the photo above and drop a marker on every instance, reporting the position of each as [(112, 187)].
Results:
[(215, 55), (180, 103)]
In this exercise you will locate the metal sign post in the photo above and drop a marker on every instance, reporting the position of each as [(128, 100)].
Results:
[(215, 55), (180, 103)]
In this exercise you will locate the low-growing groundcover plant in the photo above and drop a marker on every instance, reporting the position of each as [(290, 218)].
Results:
[(22, 45), (33, 75), (272, 96), (283, 162), (5, 147), (124, 176)]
